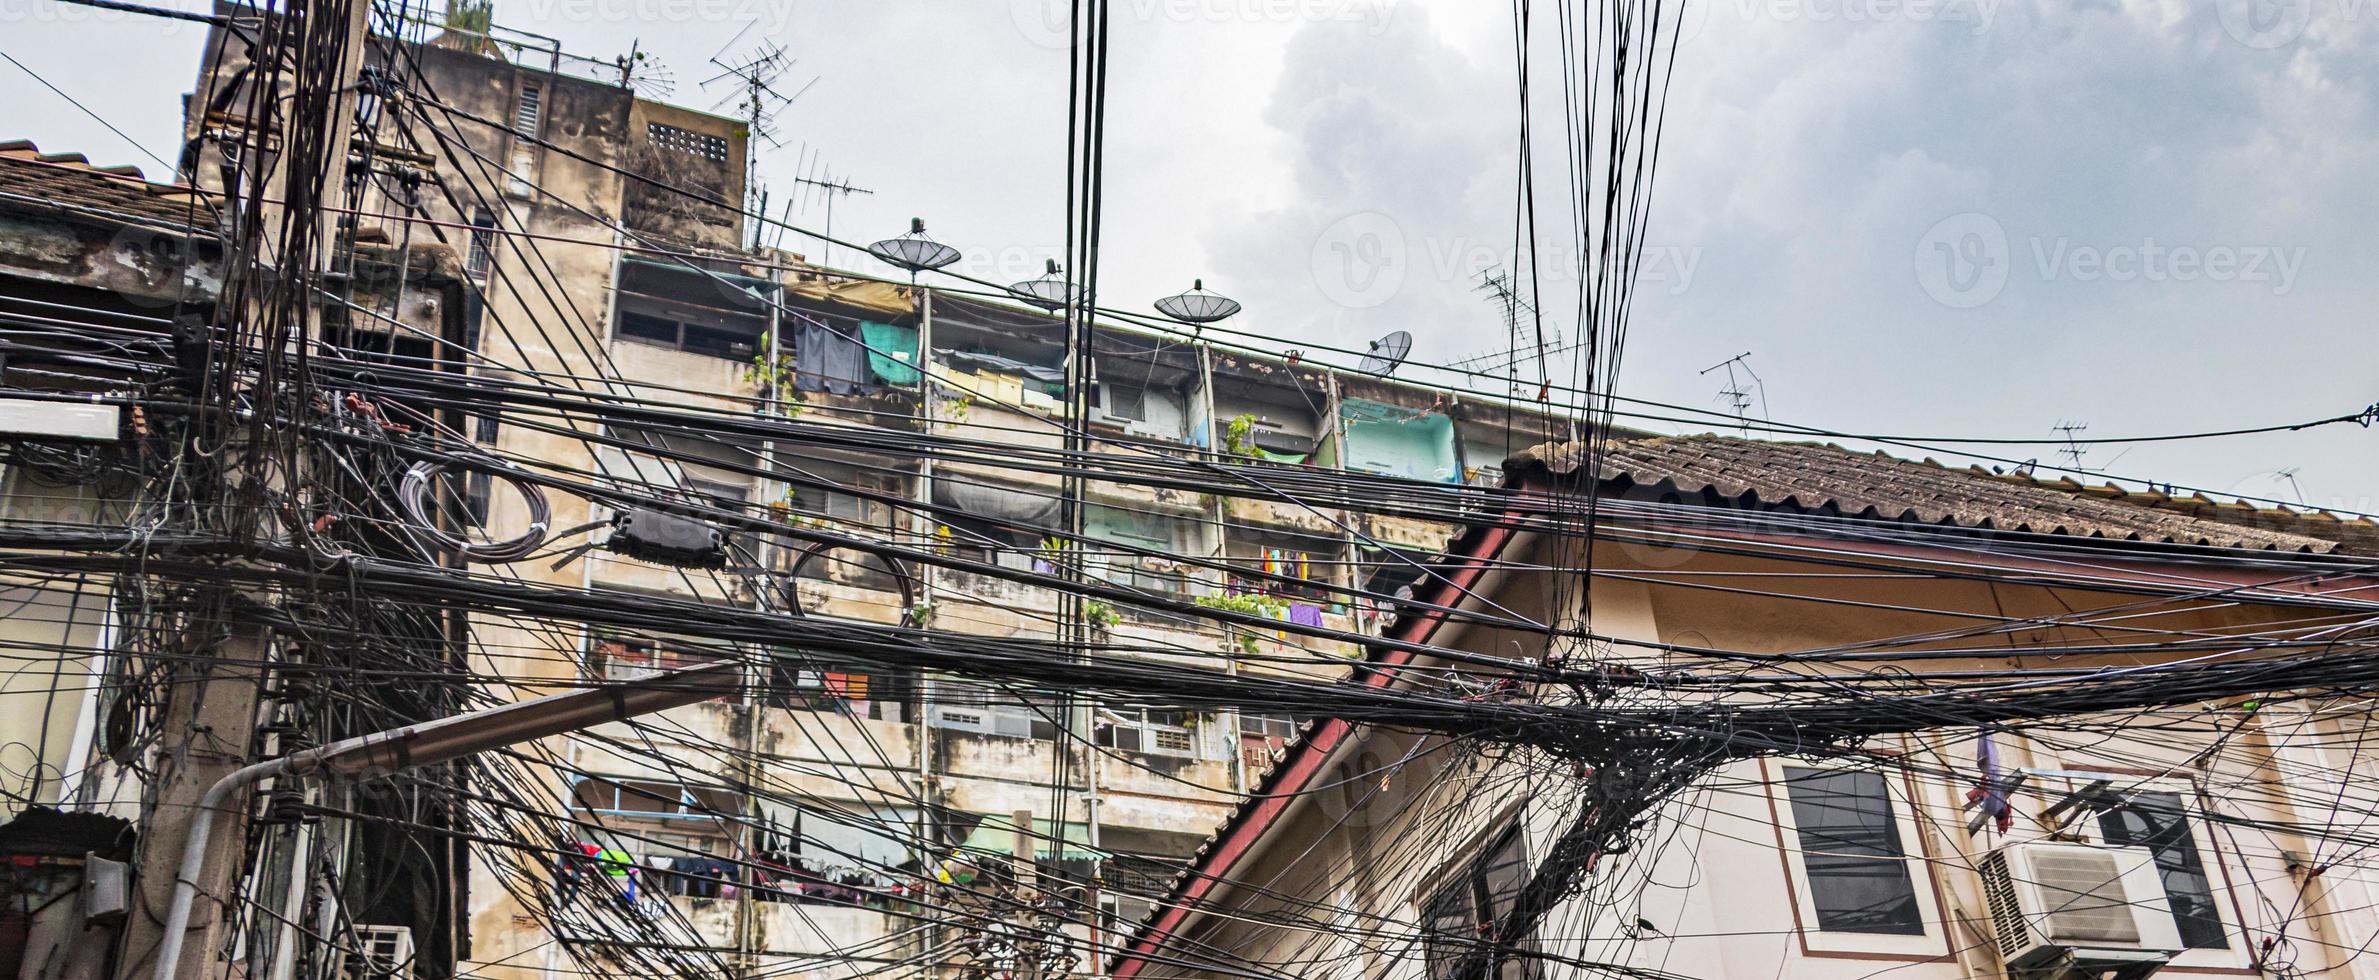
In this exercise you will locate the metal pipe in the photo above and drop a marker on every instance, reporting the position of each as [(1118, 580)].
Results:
[(430, 743)]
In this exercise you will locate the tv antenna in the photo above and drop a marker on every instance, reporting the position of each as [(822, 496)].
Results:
[(1516, 309), (2289, 476), (644, 74), (1387, 354), (2074, 448), (757, 102), (1735, 395), (820, 182)]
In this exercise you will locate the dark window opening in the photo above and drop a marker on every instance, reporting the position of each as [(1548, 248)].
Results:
[(1851, 853), (1467, 915), (2160, 823), (483, 244)]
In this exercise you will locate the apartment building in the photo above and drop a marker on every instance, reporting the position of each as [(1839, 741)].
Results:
[(602, 256)]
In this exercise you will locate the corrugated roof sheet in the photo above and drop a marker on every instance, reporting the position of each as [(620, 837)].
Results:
[(71, 179), (1827, 479)]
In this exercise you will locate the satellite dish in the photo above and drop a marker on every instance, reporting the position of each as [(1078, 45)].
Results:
[(1387, 354), (1199, 305), (914, 251), (1049, 292)]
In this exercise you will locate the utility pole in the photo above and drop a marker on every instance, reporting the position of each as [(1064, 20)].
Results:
[(214, 705)]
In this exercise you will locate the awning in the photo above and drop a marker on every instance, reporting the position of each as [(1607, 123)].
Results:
[(696, 270), (997, 835), (997, 503), (1053, 377)]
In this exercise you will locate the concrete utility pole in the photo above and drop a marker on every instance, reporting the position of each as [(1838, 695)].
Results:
[(425, 744), (217, 710)]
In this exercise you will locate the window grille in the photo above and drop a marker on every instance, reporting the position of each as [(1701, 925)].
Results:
[(704, 145)]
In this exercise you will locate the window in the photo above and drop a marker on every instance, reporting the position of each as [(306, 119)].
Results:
[(1260, 735), (620, 659), (969, 707), (646, 819), (688, 326), (2129, 811), (1467, 914), (483, 243), (2160, 823), (529, 110), (854, 508), (726, 494), (1145, 531), (1852, 858), (1171, 733), (1124, 402)]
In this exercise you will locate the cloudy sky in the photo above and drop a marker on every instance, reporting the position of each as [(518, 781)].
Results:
[(1922, 217)]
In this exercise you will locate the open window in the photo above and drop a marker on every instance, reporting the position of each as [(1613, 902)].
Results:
[(1310, 561), (1468, 916), (798, 680), (653, 822), (1145, 531), (707, 312)]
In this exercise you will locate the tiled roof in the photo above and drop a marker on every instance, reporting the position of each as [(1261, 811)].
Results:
[(2353, 534), (1825, 479), (72, 180)]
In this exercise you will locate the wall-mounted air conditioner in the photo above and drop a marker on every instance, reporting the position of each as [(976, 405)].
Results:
[(2066, 911), (381, 953)]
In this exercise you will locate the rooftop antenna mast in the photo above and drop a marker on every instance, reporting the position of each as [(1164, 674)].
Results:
[(757, 102), (2289, 475), (644, 74), (818, 180), (2074, 448), (1516, 310), (1738, 397)]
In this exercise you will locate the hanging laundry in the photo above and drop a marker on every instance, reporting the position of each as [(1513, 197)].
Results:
[(828, 360)]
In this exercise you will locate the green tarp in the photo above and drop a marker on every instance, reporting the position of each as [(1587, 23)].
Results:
[(891, 352)]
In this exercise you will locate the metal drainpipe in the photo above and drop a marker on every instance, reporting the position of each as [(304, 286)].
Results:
[(1218, 513), (611, 299), (1350, 551)]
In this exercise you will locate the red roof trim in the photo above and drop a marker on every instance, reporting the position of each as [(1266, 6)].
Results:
[(1307, 756)]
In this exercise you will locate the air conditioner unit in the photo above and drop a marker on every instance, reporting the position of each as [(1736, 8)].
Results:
[(381, 953), (2067, 911)]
